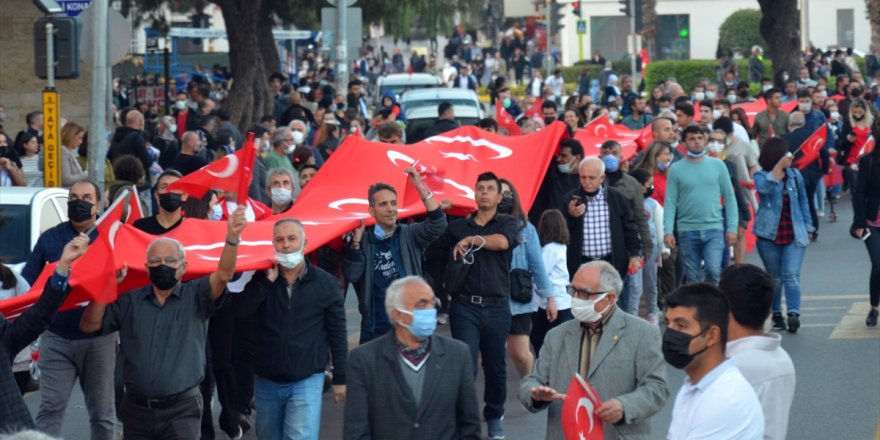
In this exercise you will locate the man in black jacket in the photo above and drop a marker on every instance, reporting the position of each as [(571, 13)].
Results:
[(600, 222), (301, 316), (130, 139), (560, 179), (445, 120), (18, 334), (815, 170)]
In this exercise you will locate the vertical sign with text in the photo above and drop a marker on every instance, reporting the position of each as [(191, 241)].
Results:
[(51, 141)]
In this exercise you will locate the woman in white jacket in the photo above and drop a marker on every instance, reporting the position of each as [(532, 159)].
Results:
[(654, 214), (553, 234)]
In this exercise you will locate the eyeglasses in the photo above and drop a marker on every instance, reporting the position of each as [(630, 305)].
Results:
[(583, 293), (168, 261)]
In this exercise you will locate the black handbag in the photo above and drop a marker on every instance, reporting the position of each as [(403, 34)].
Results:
[(521, 285)]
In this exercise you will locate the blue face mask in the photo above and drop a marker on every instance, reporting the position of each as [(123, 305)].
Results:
[(379, 233), (612, 163), (693, 155), (216, 213), (506, 102), (424, 322), (663, 166)]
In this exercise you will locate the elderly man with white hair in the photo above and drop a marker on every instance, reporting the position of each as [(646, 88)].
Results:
[(411, 383), (616, 353), (162, 331)]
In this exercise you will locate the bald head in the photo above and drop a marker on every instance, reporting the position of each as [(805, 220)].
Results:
[(134, 119)]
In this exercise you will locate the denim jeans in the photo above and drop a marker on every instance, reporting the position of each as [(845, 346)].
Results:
[(289, 411), (701, 250), (783, 263), (484, 330), (632, 293), (649, 282)]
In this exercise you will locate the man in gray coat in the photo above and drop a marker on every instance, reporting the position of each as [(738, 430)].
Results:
[(410, 383), (388, 251), (617, 353)]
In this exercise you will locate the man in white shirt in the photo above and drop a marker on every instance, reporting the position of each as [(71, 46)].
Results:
[(715, 402), (758, 355)]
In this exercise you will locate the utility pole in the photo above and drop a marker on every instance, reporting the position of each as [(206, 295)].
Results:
[(550, 61), (99, 95), (632, 38), (341, 46)]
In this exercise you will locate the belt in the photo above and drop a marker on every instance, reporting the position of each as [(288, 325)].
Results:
[(481, 301), (163, 401), (586, 259)]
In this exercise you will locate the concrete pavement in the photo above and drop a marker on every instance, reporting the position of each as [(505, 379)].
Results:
[(836, 357)]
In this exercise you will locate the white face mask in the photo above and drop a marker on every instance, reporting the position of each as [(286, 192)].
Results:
[(266, 146), (172, 128), (805, 107), (180, 105), (766, 87), (290, 149), (216, 213), (281, 196), (715, 147), (785, 77), (716, 114), (731, 98), (298, 137), (710, 95), (565, 168), (835, 116), (613, 116), (699, 96), (291, 260), (584, 310)]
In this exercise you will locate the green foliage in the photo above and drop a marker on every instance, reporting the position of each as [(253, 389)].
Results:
[(399, 16), (740, 31), (571, 73)]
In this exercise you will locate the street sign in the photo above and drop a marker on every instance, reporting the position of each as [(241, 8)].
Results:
[(278, 34), (581, 27), (72, 8), (51, 141)]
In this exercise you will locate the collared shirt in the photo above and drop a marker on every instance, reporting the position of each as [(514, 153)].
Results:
[(164, 345), (597, 226), (770, 371), (589, 341), (721, 406), (489, 276)]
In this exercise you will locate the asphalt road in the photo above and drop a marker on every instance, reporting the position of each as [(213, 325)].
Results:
[(836, 357)]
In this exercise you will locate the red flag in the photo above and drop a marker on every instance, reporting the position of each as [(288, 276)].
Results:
[(810, 148), (506, 121), (535, 110), (134, 207), (579, 419), (95, 272), (867, 148), (247, 162), (646, 136), (231, 173), (600, 130)]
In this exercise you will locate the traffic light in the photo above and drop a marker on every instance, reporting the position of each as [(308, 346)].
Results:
[(556, 16), (639, 7), (576, 8), (624, 7), (65, 46)]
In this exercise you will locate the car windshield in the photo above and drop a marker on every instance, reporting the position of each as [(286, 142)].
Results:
[(416, 129), (399, 89), (434, 102), (15, 226)]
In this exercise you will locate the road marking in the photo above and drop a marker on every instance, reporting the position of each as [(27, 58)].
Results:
[(852, 325), (817, 325), (824, 308), (830, 297)]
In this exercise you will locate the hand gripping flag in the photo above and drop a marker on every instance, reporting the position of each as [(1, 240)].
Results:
[(579, 419)]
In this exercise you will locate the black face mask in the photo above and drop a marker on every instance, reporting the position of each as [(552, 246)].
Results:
[(855, 93), (79, 210), (506, 206), (162, 277), (858, 117), (676, 348), (549, 120), (170, 202)]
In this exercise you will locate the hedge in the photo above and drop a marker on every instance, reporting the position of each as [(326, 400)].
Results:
[(739, 32)]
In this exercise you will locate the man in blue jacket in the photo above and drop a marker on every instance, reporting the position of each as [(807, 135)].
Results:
[(389, 251)]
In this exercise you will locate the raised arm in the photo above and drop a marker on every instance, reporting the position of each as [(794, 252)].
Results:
[(226, 267)]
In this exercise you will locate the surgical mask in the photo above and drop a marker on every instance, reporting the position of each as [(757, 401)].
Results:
[(281, 196), (710, 95), (785, 77), (424, 322), (699, 96), (663, 166), (266, 146), (298, 137), (731, 97), (584, 310), (613, 115), (835, 116), (565, 168), (805, 107), (289, 149), (172, 128), (180, 105), (716, 114), (291, 260), (823, 93), (506, 102), (716, 147), (676, 348), (192, 105), (612, 163), (170, 202), (693, 155), (506, 205), (216, 213), (79, 210), (163, 277), (766, 87)]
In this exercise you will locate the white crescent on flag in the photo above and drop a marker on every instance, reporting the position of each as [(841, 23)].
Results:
[(501, 150), (231, 167)]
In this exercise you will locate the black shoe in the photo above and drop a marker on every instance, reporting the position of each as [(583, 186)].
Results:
[(871, 320), (778, 321), (794, 322)]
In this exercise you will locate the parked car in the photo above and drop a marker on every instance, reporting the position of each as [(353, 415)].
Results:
[(402, 82), (420, 119), (24, 214), (431, 98)]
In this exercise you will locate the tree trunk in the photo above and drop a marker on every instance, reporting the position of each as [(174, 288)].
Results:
[(250, 95), (873, 7), (779, 27), (649, 27)]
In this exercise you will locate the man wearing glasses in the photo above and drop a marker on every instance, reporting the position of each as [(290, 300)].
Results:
[(617, 353), (411, 383), (162, 330)]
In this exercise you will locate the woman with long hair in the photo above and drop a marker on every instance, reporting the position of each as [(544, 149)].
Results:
[(554, 236), (657, 160), (526, 258), (72, 135), (653, 103), (28, 147), (855, 133), (866, 220), (738, 115), (327, 139), (783, 226)]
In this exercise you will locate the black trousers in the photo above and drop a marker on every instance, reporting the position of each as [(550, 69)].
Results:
[(873, 245), (178, 422), (540, 326), (811, 182), (244, 339)]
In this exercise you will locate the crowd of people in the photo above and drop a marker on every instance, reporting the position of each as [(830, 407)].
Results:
[(612, 248)]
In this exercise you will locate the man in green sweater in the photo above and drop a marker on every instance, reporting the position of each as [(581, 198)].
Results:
[(701, 208)]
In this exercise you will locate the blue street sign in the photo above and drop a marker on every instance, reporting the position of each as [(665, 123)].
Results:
[(581, 27), (73, 7)]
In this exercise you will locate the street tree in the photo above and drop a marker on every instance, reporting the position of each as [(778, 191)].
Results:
[(779, 27)]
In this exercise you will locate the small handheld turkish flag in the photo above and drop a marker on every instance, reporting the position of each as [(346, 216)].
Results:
[(505, 120), (867, 148), (579, 419), (810, 148)]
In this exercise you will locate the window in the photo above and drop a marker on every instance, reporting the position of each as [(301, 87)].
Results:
[(15, 224), (608, 35), (49, 215), (673, 37), (845, 34)]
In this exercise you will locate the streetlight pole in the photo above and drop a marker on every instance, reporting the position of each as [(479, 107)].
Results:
[(99, 95)]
